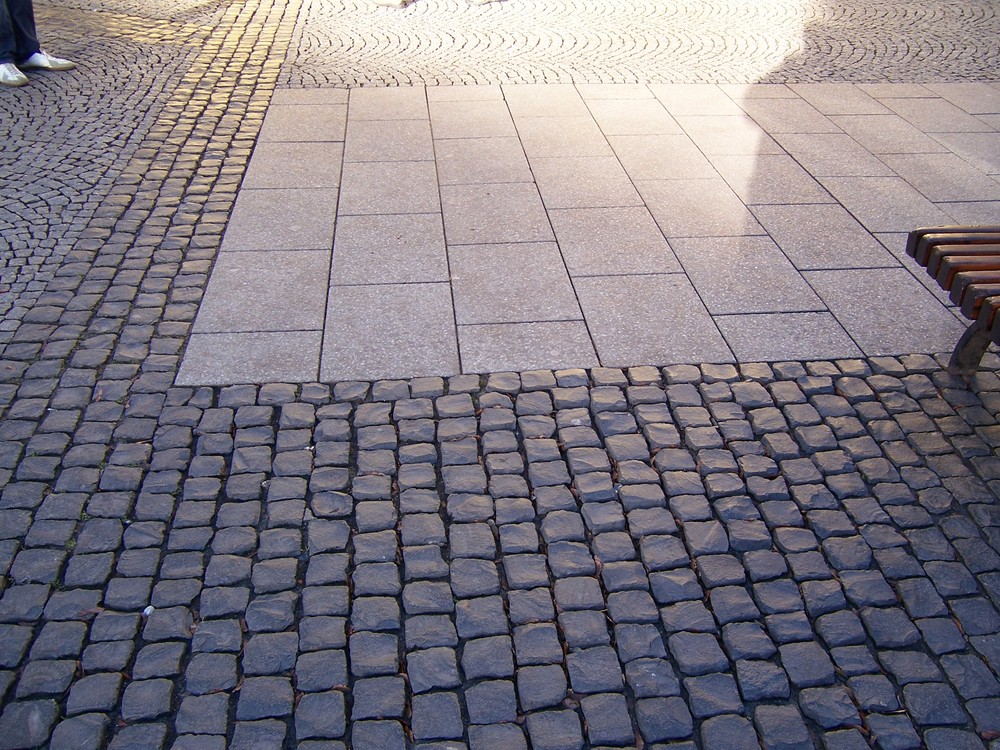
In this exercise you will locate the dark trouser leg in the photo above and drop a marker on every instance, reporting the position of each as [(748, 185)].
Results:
[(18, 40), (7, 53)]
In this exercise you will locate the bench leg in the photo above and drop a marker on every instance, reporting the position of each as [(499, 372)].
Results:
[(970, 350)]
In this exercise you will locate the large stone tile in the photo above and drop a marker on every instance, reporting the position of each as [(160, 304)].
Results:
[(612, 241), (788, 116), (228, 358), (584, 182), (822, 237), (304, 122), (388, 140), (661, 157), (265, 291), (718, 134), (895, 243), (561, 136), (697, 208), (592, 91), (839, 98), (389, 249), (294, 165), (471, 119), (470, 93), (832, 155), (978, 98), (886, 311), (544, 100), (514, 283), (486, 214), (389, 331), (405, 187), (887, 134), (518, 347), (388, 103), (896, 90), (778, 337), (466, 161), (695, 99), (282, 219), (981, 150), (741, 92), (936, 116), (769, 178), (632, 117), (636, 320), (944, 177), (884, 204), (973, 212), (309, 96), (744, 275)]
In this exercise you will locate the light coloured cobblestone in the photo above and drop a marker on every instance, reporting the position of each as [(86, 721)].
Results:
[(355, 42)]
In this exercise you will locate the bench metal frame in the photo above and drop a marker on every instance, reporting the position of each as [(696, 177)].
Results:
[(965, 261)]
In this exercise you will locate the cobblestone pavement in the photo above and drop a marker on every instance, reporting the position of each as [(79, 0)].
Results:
[(643, 41), (787, 555), (60, 165), (799, 554)]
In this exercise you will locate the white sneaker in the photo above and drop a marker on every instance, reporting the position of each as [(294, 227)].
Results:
[(11, 76), (42, 61)]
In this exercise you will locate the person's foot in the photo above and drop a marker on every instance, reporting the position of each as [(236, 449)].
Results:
[(43, 61), (11, 76)]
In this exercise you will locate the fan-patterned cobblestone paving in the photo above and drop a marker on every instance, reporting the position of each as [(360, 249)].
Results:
[(644, 41)]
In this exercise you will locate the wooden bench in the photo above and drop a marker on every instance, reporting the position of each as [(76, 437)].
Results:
[(965, 262)]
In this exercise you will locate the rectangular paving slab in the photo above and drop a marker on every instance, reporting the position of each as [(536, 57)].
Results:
[(498, 227), (388, 249), (655, 318), (394, 330)]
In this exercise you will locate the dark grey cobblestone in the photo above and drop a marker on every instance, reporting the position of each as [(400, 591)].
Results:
[(668, 614), (872, 575)]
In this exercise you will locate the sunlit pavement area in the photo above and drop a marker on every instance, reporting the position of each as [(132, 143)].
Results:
[(518, 375), (412, 231)]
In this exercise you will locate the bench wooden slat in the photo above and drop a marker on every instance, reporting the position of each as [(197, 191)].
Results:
[(931, 241), (954, 264), (965, 261), (970, 296), (940, 252), (920, 241)]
